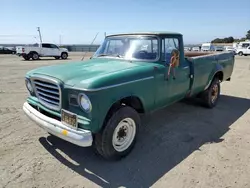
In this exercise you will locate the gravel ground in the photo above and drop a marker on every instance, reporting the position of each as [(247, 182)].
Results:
[(183, 146)]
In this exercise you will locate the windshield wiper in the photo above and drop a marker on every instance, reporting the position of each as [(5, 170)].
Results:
[(117, 55), (100, 55)]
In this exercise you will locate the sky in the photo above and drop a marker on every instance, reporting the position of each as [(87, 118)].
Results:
[(78, 21)]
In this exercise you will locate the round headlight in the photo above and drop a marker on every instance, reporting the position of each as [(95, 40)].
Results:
[(85, 103), (29, 86)]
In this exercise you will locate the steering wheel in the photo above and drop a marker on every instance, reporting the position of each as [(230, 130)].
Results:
[(143, 51)]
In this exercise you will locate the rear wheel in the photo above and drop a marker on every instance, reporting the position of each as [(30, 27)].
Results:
[(64, 55), (211, 96), (35, 56), (118, 137)]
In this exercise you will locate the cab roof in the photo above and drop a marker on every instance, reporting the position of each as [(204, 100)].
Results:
[(147, 33)]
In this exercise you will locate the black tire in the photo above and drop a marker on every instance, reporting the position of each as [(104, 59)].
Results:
[(57, 57), (103, 141), (35, 56), (211, 96), (240, 53), (64, 55), (26, 57)]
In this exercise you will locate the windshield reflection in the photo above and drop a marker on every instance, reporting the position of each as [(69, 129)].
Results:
[(129, 48)]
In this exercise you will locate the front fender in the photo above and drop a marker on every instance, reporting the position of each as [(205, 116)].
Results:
[(143, 90)]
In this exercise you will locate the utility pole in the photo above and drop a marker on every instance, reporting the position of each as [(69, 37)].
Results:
[(38, 29), (60, 40)]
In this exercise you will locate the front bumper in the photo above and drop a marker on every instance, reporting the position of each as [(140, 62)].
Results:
[(78, 137)]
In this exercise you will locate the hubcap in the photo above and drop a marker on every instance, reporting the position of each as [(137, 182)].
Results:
[(64, 56), (215, 92), (124, 134), (35, 56)]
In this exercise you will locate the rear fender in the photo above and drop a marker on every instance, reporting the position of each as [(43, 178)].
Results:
[(218, 68)]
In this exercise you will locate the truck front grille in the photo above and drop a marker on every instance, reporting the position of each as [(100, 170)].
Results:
[(48, 93)]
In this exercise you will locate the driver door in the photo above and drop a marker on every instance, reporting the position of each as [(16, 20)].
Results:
[(178, 77), (54, 50)]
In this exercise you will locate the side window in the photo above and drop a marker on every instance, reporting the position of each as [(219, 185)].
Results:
[(170, 44), (53, 46), (245, 45), (45, 45), (114, 47), (171, 50)]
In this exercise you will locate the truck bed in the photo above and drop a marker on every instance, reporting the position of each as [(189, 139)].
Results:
[(195, 54), (205, 64), (27, 49)]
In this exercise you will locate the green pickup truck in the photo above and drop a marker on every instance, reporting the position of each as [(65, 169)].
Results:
[(100, 101)]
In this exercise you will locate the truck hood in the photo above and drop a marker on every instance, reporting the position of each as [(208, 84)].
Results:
[(96, 73), (64, 49)]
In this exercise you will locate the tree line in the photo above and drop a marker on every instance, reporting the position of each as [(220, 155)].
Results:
[(231, 39)]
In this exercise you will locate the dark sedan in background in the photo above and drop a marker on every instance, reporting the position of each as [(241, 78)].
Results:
[(7, 50)]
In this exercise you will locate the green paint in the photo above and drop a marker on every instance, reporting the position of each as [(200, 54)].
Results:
[(106, 80)]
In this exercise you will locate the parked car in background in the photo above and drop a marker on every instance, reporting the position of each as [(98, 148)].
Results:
[(230, 49), (244, 44), (207, 47), (7, 50), (44, 50), (187, 49), (196, 49), (243, 51), (99, 102), (218, 48)]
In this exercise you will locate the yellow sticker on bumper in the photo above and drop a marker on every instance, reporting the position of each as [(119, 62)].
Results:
[(65, 132)]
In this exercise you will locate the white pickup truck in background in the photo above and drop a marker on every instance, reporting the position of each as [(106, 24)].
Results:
[(44, 50), (243, 51)]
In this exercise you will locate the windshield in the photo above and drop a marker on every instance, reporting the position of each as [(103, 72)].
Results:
[(129, 48)]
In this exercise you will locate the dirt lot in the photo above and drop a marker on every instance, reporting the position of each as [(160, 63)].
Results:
[(184, 145)]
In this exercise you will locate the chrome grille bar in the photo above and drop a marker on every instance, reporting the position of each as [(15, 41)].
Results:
[(46, 85), (48, 92), (48, 101), (48, 96)]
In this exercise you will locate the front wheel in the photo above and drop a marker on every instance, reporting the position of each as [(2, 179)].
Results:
[(118, 137), (211, 96), (64, 55), (240, 53)]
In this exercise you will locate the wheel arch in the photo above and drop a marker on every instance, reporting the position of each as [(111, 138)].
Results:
[(217, 73), (64, 53), (32, 52), (132, 101)]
